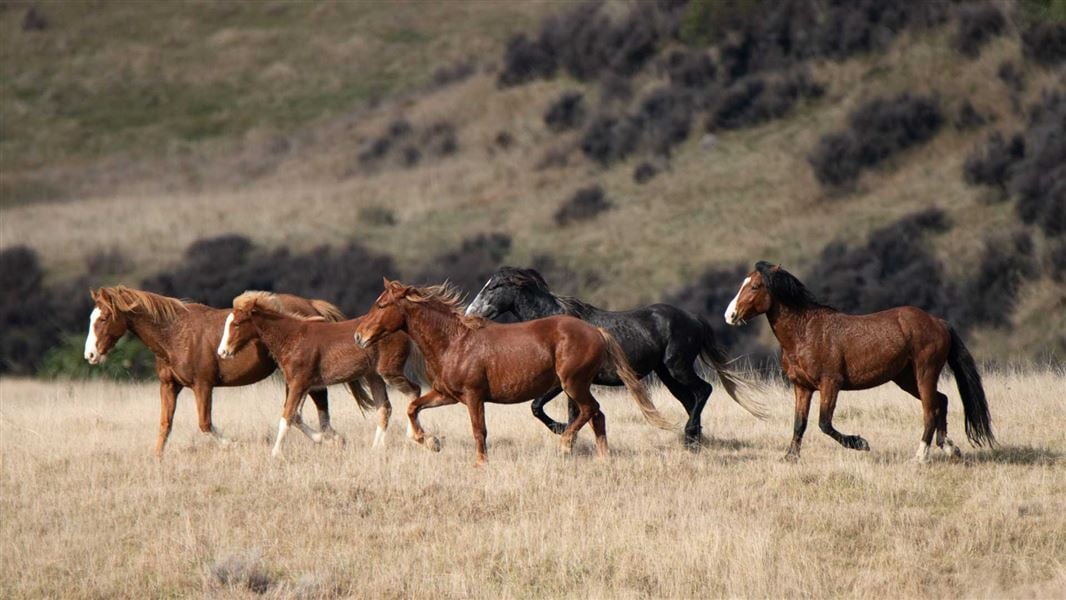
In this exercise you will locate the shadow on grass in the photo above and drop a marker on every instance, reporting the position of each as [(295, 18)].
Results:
[(1013, 455)]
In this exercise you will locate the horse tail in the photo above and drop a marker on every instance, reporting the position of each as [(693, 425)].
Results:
[(362, 398), (974, 403), (617, 357), (326, 310), (739, 387)]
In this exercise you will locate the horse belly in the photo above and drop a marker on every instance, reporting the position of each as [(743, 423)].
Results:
[(516, 387), (873, 361)]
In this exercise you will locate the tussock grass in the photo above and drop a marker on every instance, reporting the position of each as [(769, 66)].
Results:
[(86, 511)]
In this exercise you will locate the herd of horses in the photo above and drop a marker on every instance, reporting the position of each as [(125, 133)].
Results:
[(559, 345)]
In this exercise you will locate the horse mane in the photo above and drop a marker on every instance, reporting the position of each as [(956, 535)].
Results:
[(531, 278), (269, 302), (447, 296), (786, 288), (123, 299)]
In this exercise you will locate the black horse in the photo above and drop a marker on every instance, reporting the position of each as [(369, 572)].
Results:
[(660, 338)]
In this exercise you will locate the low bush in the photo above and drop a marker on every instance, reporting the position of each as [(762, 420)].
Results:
[(402, 143), (566, 112), (991, 165), (1038, 179), (988, 298), (585, 204), (1044, 42), (877, 129), (757, 99), (968, 118), (470, 265), (644, 172), (977, 24)]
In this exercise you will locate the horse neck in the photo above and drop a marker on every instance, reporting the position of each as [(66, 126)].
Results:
[(274, 330), (789, 323), (153, 332), (434, 331), (536, 304)]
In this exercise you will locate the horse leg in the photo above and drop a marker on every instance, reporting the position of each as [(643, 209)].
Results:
[(599, 428), (430, 399), (321, 399), (799, 423), (475, 405), (908, 383), (931, 410), (587, 408), (828, 392), (538, 411), (685, 395), (293, 397), (203, 409), (168, 399), (297, 421), (381, 397)]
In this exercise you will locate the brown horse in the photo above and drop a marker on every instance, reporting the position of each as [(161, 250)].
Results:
[(312, 354), (825, 350), (475, 361), (183, 337)]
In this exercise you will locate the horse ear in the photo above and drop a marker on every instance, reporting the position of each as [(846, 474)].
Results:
[(775, 268), (386, 281), (93, 294)]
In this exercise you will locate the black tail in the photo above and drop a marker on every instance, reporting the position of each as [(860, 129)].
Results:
[(740, 388), (974, 403)]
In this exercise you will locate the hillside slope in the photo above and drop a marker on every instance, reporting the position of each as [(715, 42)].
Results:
[(306, 161)]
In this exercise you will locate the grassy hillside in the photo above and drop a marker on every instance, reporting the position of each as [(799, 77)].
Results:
[(142, 130)]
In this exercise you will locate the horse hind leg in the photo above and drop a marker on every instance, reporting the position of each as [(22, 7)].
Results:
[(692, 400), (828, 392), (538, 412), (297, 421), (320, 398), (588, 407), (381, 398), (908, 383)]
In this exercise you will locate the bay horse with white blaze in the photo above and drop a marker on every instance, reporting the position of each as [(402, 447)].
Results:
[(183, 336), (659, 338), (475, 361), (313, 353), (825, 350)]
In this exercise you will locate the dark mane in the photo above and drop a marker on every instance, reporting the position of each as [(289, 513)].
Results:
[(531, 279), (785, 288)]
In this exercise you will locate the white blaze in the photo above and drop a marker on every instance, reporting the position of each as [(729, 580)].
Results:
[(222, 346), (90, 340), (477, 299), (731, 310)]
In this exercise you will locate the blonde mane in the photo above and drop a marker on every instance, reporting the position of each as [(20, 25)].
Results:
[(270, 302), (447, 296), (123, 299)]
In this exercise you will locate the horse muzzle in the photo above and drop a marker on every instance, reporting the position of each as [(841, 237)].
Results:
[(363, 342), (95, 358)]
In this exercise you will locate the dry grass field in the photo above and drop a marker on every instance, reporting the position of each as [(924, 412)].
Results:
[(86, 511)]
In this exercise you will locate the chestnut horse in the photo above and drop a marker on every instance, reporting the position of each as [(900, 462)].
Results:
[(475, 361), (183, 337), (825, 350), (312, 354)]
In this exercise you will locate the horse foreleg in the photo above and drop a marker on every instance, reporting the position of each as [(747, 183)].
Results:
[(298, 422), (475, 405), (430, 399), (799, 423), (381, 397), (538, 412), (828, 391), (203, 409), (168, 396), (293, 396)]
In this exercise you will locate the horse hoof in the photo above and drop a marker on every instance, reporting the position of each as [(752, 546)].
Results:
[(433, 444), (790, 457), (857, 443), (557, 428), (316, 438)]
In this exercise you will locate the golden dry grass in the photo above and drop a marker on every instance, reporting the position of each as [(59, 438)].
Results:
[(87, 512)]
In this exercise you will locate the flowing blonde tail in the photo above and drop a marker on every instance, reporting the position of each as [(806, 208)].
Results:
[(328, 311), (640, 393)]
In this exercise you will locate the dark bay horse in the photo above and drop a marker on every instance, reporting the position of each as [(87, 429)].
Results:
[(660, 338), (314, 353), (475, 361), (825, 350), (183, 336)]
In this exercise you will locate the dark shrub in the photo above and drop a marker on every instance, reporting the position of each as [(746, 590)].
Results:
[(377, 216), (644, 172), (566, 112), (106, 263), (991, 165), (610, 139), (615, 89), (585, 204), (26, 312), (504, 140), (879, 129), (1011, 75), (894, 268), (757, 99), (836, 159), (1038, 180), (469, 266), (447, 75), (34, 20), (403, 144), (562, 279), (977, 24), (692, 70), (526, 60), (1056, 259), (968, 118), (440, 139), (664, 118), (1006, 262), (1045, 43), (857, 26), (708, 296)]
